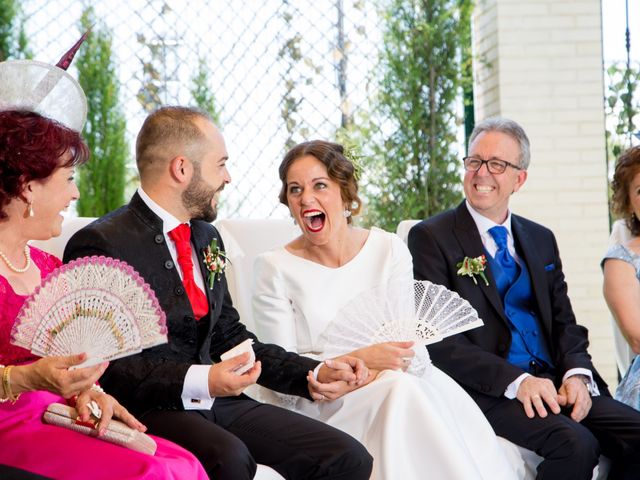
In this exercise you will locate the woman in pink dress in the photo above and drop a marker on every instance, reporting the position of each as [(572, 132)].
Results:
[(38, 154)]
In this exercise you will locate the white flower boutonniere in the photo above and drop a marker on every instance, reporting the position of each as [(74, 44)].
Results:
[(215, 260), (472, 267)]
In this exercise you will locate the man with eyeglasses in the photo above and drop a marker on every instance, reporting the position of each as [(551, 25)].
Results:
[(527, 367)]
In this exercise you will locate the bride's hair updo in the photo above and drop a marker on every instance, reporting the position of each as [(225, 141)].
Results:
[(340, 170), (30, 149)]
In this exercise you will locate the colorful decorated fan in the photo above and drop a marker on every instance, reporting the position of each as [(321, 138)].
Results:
[(420, 311), (96, 305)]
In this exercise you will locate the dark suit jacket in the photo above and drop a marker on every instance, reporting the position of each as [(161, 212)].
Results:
[(154, 378), (477, 358)]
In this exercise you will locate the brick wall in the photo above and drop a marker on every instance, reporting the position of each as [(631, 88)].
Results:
[(539, 62)]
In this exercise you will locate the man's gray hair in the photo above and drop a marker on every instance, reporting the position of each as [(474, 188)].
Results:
[(508, 127)]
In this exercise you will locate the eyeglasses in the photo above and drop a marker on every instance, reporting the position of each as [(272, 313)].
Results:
[(494, 165)]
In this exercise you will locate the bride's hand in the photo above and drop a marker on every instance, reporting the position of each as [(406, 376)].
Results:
[(109, 407), (321, 392), (387, 356)]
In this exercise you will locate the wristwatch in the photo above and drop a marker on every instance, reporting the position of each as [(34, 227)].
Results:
[(587, 381)]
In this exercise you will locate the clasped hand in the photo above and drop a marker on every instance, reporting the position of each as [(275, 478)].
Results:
[(358, 368), (339, 376), (534, 393)]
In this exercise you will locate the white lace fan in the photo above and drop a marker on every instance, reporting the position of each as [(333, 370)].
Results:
[(420, 311), (96, 305)]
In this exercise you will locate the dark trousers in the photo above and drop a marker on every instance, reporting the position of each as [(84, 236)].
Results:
[(570, 449), (12, 473), (238, 432)]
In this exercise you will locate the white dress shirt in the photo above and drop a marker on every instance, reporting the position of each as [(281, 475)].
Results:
[(484, 224), (195, 390)]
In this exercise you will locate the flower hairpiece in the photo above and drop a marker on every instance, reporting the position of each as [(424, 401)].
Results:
[(215, 260), (353, 154), (472, 267)]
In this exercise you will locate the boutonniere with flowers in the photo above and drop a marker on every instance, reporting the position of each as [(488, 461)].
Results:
[(215, 261), (472, 267)]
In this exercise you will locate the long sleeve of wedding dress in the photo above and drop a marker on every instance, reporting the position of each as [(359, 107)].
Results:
[(414, 427)]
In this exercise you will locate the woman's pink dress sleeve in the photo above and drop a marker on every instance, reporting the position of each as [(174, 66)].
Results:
[(56, 452)]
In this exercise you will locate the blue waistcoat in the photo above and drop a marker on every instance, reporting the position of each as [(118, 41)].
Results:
[(528, 346)]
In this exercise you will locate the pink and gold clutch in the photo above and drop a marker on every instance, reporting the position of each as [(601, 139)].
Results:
[(117, 432)]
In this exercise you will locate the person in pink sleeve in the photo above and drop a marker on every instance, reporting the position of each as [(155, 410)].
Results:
[(42, 110)]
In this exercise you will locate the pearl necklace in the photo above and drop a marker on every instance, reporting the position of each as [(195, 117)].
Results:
[(27, 256)]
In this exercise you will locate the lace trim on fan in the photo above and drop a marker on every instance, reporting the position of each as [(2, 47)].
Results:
[(265, 395), (92, 261)]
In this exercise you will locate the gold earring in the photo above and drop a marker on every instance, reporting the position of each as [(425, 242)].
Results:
[(30, 209)]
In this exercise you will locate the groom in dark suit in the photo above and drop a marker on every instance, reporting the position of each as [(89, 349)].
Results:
[(527, 367), (174, 388)]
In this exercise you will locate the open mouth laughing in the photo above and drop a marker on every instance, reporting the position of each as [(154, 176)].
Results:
[(313, 220)]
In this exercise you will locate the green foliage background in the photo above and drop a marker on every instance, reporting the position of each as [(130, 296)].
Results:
[(621, 107), (412, 168), (202, 91), (408, 134), (13, 40), (102, 180)]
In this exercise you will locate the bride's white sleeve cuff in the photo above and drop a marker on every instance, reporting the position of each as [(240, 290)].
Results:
[(317, 370)]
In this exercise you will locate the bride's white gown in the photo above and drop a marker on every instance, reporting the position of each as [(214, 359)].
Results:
[(414, 427)]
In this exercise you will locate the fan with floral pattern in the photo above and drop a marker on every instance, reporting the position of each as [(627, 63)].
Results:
[(97, 305)]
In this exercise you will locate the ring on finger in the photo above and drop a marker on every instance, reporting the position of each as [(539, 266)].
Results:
[(535, 397)]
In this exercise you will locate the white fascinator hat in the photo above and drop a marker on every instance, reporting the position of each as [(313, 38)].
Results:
[(44, 89)]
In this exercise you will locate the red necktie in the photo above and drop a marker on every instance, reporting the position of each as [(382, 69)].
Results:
[(181, 235)]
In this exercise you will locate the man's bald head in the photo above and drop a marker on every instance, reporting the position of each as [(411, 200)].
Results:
[(167, 133)]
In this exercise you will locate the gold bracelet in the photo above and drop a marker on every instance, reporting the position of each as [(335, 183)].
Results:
[(6, 385), (5, 398)]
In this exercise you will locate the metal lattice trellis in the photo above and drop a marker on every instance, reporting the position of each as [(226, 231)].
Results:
[(281, 71)]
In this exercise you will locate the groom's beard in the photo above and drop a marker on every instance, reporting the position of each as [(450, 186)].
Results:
[(197, 199)]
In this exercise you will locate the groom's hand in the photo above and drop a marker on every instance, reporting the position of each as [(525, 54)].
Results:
[(574, 391), (225, 382), (337, 377), (332, 388), (346, 368), (534, 393)]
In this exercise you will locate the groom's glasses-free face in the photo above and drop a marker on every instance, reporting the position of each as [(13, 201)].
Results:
[(494, 165)]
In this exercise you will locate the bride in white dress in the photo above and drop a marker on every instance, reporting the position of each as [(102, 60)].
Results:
[(415, 427)]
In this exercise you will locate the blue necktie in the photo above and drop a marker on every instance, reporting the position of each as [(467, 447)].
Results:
[(502, 256)]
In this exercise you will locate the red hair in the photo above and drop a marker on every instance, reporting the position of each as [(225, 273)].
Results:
[(627, 167), (30, 149)]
